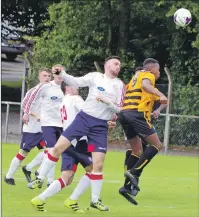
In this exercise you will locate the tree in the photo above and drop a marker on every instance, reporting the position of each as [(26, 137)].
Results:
[(77, 35), (23, 17)]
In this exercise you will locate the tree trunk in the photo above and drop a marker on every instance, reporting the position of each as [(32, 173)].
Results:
[(123, 26), (109, 37)]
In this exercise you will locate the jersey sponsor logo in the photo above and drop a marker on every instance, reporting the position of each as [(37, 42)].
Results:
[(100, 88), (55, 98)]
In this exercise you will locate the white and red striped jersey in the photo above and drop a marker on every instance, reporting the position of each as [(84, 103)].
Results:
[(33, 125), (51, 97), (99, 84)]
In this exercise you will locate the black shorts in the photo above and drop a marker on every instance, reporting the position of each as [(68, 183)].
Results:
[(134, 123)]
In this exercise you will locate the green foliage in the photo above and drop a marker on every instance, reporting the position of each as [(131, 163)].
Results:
[(21, 17)]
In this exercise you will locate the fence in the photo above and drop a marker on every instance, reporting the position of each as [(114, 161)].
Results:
[(15, 117), (182, 130)]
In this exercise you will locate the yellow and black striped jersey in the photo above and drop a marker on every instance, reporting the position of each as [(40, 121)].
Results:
[(136, 97)]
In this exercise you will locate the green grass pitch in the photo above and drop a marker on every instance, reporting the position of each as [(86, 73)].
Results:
[(169, 187)]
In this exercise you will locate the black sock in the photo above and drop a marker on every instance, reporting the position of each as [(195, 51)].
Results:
[(133, 159), (128, 154), (145, 158)]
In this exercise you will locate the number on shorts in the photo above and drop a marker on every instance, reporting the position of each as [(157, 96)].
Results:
[(63, 114)]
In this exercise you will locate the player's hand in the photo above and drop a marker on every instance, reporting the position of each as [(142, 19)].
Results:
[(111, 124), (163, 99), (56, 70), (115, 117), (25, 118), (156, 113), (102, 99)]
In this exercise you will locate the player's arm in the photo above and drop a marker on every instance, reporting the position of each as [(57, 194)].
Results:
[(146, 85), (116, 107), (36, 94), (26, 98), (84, 81), (35, 115), (120, 93)]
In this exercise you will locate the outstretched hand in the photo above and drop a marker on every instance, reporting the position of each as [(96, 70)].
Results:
[(103, 99)]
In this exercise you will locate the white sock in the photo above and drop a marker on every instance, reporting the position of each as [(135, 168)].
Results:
[(54, 188), (81, 187), (36, 161), (16, 161), (47, 164), (50, 175), (96, 185)]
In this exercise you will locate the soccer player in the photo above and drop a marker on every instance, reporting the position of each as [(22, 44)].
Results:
[(132, 154), (105, 98), (70, 107), (135, 119), (51, 124), (32, 135)]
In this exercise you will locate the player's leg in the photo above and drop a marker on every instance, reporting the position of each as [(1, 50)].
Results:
[(81, 187), (27, 169), (51, 135), (27, 143), (97, 144), (81, 154), (68, 169), (146, 131), (83, 183), (136, 151), (128, 152), (76, 130), (154, 147), (127, 155), (131, 135)]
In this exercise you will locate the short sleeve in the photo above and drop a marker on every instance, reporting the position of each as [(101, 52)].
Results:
[(150, 77)]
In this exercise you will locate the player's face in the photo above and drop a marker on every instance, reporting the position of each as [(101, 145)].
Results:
[(44, 77), (114, 66), (156, 71)]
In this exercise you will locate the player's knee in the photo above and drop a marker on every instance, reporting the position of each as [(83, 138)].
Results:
[(160, 146), (67, 176), (98, 167), (56, 151), (137, 152), (23, 152)]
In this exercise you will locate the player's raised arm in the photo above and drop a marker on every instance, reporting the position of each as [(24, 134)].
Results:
[(84, 81)]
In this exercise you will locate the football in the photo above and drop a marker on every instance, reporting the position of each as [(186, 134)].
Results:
[(182, 17)]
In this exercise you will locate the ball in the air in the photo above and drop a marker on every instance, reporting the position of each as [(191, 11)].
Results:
[(182, 17)]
